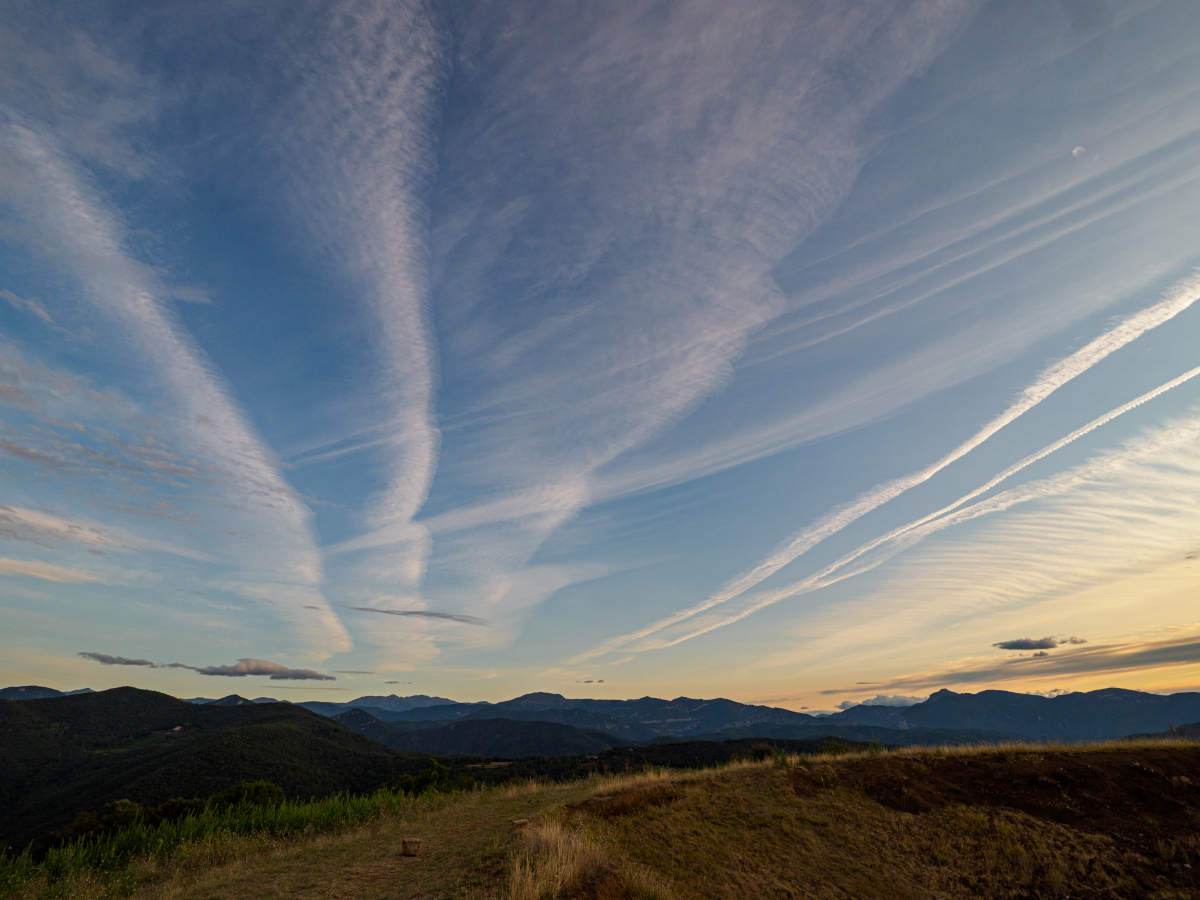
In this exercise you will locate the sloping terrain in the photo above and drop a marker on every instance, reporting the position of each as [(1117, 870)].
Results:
[(1135, 795), (1109, 823), (66, 755), (1114, 822), (1191, 732), (578, 718)]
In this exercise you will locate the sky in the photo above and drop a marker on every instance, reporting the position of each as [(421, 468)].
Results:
[(800, 353)]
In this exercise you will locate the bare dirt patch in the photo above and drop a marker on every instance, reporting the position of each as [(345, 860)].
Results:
[(1124, 794), (626, 804), (606, 885), (1146, 801)]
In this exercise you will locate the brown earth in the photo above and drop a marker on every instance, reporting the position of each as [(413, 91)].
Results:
[(626, 803), (608, 885), (1146, 801)]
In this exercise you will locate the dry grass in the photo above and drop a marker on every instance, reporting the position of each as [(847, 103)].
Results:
[(554, 861), (986, 749), (744, 833), (736, 832)]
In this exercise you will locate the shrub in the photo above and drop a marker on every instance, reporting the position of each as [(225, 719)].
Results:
[(252, 793), (435, 778)]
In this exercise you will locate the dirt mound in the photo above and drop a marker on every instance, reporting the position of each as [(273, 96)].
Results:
[(1136, 796), (607, 885), (625, 804)]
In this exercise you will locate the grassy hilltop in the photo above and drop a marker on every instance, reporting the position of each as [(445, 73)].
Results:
[(1030, 821)]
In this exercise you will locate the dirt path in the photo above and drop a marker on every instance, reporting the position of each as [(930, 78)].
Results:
[(465, 843)]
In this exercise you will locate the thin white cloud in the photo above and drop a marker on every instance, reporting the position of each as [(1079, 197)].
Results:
[(39, 526), (1178, 298), (1125, 510), (89, 238), (640, 305), (357, 143), (27, 568), (30, 305), (1000, 238), (685, 627), (1147, 653)]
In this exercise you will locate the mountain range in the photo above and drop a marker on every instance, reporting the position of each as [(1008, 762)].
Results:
[(987, 715), (70, 752)]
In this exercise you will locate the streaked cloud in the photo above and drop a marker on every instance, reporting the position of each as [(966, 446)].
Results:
[(1046, 643), (356, 142), (884, 700), (730, 333), (1179, 298), (423, 614), (889, 544), (22, 568), (1111, 658), (105, 660), (73, 218), (30, 305), (245, 667)]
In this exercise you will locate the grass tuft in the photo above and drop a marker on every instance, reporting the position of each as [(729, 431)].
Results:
[(555, 861)]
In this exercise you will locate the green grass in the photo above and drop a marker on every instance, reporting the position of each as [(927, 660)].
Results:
[(108, 855)]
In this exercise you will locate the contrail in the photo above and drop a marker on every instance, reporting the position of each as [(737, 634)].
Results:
[(358, 139), (450, 617), (1178, 298), (941, 519), (91, 238)]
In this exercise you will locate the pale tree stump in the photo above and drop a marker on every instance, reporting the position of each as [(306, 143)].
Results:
[(410, 847)]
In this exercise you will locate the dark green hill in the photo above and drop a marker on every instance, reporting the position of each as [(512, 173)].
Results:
[(1190, 732), (910, 737), (65, 755), (577, 718), (706, 754), (505, 739), (37, 692)]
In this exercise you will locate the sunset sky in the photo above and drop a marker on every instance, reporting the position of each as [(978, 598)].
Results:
[(798, 353)]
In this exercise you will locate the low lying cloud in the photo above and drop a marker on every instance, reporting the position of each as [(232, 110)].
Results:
[(884, 700), (421, 613), (1093, 659), (262, 667), (105, 660), (1046, 643), (244, 667)]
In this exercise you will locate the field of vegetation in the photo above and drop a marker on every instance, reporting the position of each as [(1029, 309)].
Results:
[(1019, 821)]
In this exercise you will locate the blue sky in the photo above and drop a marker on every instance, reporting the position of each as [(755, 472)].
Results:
[(794, 352)]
